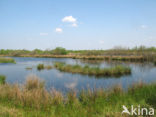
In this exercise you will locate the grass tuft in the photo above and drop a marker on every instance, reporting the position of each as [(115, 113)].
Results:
[(42, 66), (2, 79), (33, 82)]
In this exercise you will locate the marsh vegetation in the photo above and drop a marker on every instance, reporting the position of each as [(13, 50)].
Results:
[(42, 66), (136, 54), (7, 60), (116, 71), (2, 79), (32, 99)]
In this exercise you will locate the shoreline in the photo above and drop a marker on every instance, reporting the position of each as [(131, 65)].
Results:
[(131, 58)]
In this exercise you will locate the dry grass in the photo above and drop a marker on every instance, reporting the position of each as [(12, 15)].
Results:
[(32, 93)]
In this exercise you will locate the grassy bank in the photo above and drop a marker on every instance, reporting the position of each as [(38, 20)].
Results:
[(33, 100), (95, 71), (7, 60)]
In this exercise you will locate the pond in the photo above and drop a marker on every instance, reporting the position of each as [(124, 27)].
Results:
[(17, 73)]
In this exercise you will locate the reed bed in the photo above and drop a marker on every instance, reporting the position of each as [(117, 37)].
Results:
[(42, 66), (94, 71), (32, 99), (7, 60)]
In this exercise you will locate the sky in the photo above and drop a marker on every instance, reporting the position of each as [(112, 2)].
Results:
[(77, 24)]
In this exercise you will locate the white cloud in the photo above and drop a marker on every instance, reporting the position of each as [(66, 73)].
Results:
[(43, 34), (59, 30), (143, 26), (74, 25), (69, 19)]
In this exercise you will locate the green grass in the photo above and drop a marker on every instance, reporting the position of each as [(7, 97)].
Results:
[(2, 79), (33, 100), (7, 60), (95, 71)]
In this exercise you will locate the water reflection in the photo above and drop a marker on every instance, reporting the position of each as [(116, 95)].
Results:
[(145, 72)]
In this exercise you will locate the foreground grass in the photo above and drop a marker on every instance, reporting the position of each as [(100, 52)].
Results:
[(7, 60), (95, 71), (33, 100)]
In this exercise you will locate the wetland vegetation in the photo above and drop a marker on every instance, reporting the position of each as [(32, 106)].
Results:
[(32, 99), (42, 66), (116, 71), (136, 54), (2, 79), (7, 60)]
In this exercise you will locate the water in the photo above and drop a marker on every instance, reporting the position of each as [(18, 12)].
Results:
[(17, 73)]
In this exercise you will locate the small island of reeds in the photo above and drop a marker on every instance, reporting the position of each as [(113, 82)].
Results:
[(42, 66), (115, 71), (7, 60)]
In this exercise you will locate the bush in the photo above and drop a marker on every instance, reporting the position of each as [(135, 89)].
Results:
[(59, 51)]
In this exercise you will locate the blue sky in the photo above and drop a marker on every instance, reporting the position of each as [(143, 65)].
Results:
[(77, 24)]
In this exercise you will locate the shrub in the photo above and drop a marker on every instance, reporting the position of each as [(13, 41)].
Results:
[(59, 51)]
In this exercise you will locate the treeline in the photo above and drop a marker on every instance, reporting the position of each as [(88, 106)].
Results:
[(56, 51), (141, 50), (137, 51)]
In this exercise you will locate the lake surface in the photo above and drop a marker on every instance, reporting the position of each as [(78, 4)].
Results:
[(17, 73)]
